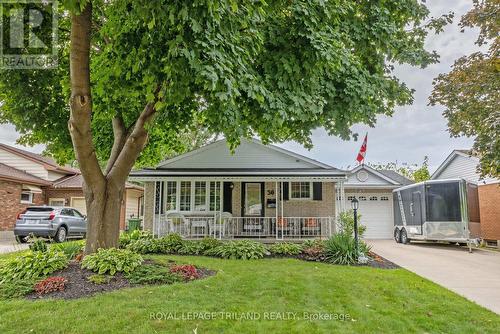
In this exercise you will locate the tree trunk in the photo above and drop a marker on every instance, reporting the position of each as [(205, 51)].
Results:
[(103, 190)]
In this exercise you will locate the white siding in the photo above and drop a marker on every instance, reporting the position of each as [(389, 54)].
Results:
[(372, 180), (247, 155), (132, 203), (54, 176), (23, 164), (463, 167)]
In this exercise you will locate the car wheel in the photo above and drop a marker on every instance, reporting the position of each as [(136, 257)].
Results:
[(61, 234), (404, 237), (397, 235), (21, 240)]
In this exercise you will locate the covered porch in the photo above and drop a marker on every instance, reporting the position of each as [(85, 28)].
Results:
[(265, 207)]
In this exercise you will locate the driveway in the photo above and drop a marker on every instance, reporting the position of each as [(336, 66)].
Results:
[(476, 275)]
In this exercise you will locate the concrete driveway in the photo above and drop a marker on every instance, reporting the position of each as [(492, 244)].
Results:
[(476, 275), (9, 247)]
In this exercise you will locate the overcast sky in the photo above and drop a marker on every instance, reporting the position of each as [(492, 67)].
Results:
[(412, 132)]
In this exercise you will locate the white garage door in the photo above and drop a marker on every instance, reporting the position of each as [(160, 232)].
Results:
[(376, 213), (79, 204)]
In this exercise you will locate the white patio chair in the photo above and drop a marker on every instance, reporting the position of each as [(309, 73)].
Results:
[(176, 221), (218, 226)]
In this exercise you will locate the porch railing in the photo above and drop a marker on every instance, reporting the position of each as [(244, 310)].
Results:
[(246, 227)]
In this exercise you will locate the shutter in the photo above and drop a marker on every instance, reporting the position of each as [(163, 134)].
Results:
[(286, 196), (317, 191), (227, 205)]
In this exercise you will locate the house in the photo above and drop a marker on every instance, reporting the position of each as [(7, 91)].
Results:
[(260, 191), (28, 179), (463, 164)]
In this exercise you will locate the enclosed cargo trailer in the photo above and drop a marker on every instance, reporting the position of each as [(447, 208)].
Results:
[(437, 210)]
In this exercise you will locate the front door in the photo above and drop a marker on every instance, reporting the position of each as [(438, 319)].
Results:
[(252, 208)]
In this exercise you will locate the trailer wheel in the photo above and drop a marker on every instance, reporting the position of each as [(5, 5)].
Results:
[(397, 235), (404, 237)]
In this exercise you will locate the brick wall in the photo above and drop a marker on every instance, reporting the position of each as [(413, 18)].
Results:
[(10, 197), (63, 193), (489, 210)]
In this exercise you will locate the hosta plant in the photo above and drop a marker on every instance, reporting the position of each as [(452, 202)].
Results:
[(244, 249), (111, 261), (285, 248)]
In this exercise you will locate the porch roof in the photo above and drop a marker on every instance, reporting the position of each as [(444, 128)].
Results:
[(239, 173)]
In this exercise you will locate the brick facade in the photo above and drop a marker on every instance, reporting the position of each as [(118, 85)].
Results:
[(10, 197), (489, 210)]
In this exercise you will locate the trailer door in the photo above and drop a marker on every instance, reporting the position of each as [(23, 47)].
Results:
[(416, 211)]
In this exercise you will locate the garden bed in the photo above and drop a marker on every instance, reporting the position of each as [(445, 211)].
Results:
[(78, 284)]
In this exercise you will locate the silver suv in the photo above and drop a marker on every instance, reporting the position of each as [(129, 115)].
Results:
[(58, 223)]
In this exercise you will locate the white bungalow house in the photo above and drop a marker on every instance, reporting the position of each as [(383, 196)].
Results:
[(259, 191)]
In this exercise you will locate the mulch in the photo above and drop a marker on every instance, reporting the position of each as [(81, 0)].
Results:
[(377, 261), (78, 285)]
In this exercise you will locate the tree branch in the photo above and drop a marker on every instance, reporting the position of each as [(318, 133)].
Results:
[(79, 123), (120, 136)]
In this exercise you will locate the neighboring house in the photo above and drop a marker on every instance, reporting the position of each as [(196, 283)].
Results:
[(260, 191), (463, 164), (31, 179)]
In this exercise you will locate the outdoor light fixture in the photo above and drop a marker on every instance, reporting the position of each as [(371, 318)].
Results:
[(355, 204)]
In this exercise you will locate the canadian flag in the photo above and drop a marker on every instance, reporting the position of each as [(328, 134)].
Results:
[(362, 150)]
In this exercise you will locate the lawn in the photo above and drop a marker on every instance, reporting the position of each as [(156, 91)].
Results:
[(371, 301)]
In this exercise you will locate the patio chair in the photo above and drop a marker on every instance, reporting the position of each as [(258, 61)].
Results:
[(176, 221), (285, 226), (218, 227), (311, 227)]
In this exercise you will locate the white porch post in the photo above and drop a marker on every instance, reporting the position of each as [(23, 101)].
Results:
[(222, 224), (282, 212), (160, 209), (276, 210), (154, 208)]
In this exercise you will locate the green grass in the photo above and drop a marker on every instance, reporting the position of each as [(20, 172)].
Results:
[(377, 301)]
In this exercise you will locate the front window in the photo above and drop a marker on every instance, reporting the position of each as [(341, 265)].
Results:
[(171, 195), (215, 196), (300, 190), (26, 197), (185, 196), (443, 202), (200, 196)]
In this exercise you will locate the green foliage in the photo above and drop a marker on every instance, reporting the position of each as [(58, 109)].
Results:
[(111, 261), (346, 223), (285, 248), (244, 249), (37, 244), (470, 92), (203, 246), (277, 70), (153, 274), (16, 288), (70, 248), (313, 243), (313, 250), (411, 171), (170, 243), (144, 246), (32, 265), (341, 249), (99, 279)]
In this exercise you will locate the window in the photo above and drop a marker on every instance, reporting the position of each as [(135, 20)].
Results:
[(384, 198), (215, 196), (373, 198), (77, 213), (362, 198), (57, 201), (350, 198), (26, 196), (443, 202), (185, 196), (300, 190), (67, 212), (171, 195), (200, 196)]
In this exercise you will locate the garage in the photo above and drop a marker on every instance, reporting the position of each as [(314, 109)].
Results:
[(373, 189), (79, 204), (376, 213)]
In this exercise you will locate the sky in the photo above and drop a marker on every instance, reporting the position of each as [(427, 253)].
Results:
[(413, 132)]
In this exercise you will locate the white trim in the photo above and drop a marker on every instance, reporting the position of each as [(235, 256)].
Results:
[(31, 195), (373, 171), (228, 178)]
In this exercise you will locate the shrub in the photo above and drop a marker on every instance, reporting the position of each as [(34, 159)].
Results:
[(153, 274), (203, 246), (170, 244), (187, 271), (285, 248), (124, 240), (50, 284), (191, 248), (16, 289), (341, 249), (71, 249), (37, 244), (32, 265), (144, 246), (244, 249), (346, 223), (111, 261), (99, 279), (313, 243), (314, 253)]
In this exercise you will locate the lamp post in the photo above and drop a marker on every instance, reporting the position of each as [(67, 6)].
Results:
[(355, 206)]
